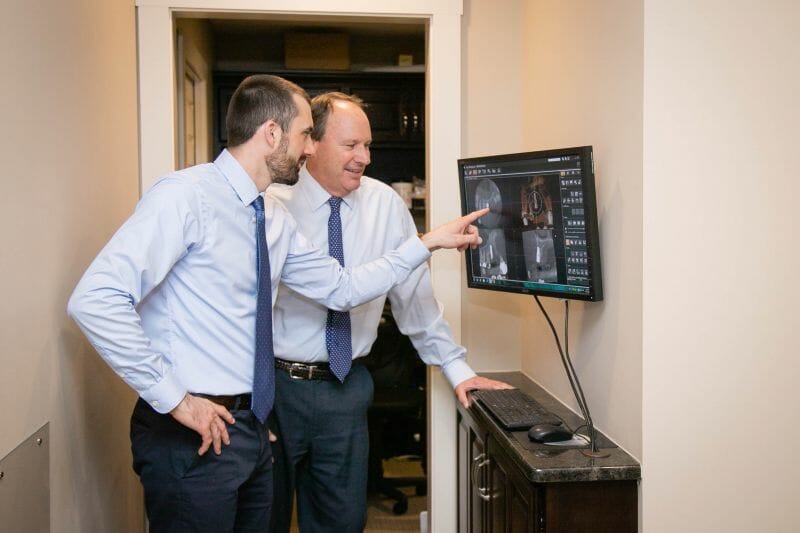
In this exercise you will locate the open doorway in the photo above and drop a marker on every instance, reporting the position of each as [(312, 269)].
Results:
[(383, 63), (156, 86)]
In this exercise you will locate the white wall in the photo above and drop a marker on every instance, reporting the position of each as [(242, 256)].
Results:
[(691, 110), (712, 88), (720, 266), (69, 177), (492, 123), (582, 84), (548, 74)]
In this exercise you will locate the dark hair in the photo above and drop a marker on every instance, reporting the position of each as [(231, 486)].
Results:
[(321, 107), (258, 99)]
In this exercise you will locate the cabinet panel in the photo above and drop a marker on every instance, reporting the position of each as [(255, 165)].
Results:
[(383, 108), (513, 496), (520, 520), (395, 107), (596, 506), (463, 475), (511, 502), (498, 511), (478, 483)]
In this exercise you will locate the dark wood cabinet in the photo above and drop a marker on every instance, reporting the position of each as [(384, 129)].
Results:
[(478, 478), (497, 491), (502, 488), (497, 502), (395, 106)]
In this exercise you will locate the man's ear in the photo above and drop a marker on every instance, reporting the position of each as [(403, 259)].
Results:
[(272, 133)]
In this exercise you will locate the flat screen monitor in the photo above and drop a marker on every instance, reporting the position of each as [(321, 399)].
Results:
[(540, 235)]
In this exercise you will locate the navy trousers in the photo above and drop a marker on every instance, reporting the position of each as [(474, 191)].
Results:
[(186, 492), (322, 452)]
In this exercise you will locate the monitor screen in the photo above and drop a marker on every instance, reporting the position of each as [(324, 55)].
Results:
[(540, 235)]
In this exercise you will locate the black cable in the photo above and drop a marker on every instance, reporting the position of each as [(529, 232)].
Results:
[(582, 398), (577, 390), (567, 362)]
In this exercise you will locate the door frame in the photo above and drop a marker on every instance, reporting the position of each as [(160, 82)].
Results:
[(157, 126)]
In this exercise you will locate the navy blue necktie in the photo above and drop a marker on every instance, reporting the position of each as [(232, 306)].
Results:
[(337, 329), (264, 365)]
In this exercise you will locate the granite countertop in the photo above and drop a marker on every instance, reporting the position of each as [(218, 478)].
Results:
[(544, 463)]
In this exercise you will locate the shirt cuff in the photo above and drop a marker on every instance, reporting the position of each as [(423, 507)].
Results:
[(457, 371), (414, 252), (165, 395)]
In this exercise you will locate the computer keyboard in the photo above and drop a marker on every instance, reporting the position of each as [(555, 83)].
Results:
[(514, 409)]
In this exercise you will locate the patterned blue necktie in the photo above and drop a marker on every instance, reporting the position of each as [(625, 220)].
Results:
[(337, 329), (264, 365)]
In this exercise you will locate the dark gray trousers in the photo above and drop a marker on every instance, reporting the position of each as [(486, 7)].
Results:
[(186, 492), (322, 452)]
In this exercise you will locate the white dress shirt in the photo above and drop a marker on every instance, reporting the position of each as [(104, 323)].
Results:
[(170, 301), (374, 219)]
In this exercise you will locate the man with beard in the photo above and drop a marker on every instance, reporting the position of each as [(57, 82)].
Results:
[(320, 414), (179, 304)]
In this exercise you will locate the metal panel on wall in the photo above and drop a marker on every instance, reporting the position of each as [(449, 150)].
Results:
[(25, 485)]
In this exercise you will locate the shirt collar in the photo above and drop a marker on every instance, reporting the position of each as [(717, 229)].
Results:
[(237, 177), (315, 194)]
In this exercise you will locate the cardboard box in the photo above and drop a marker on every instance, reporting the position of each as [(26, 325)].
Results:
[(325, 51)]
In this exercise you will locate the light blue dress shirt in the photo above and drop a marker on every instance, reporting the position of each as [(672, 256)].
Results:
[(170, 301), (374, 219)]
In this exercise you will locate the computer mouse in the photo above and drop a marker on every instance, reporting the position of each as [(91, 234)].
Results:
[(549, 433)]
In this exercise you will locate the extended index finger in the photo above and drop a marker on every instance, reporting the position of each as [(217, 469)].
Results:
[(475, 215)]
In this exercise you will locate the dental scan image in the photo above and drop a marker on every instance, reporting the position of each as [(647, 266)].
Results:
[(492, 253), (540, 255), (488, 195), (540, 234)]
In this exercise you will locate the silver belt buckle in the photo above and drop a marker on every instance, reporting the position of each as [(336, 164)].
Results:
[(300, 366)]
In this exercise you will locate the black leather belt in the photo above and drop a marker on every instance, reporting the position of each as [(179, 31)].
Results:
[(306, 371), (232, 403)]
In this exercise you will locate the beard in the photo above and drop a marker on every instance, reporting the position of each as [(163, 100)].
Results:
[(282, 167)]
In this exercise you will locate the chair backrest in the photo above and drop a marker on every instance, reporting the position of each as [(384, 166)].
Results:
[(393, 361)]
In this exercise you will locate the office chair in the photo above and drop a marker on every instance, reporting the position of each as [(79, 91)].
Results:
[(397, 415)]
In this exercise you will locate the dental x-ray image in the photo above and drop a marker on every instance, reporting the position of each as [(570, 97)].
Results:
[(488, 195), (537, 205), (540, 255), (492, 259), (540, 235)]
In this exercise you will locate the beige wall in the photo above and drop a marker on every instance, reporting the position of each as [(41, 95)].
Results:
[(692, 114), (720, 266), (691, 110), (537, 75), (69, 177), (582, 79), (491, 96)]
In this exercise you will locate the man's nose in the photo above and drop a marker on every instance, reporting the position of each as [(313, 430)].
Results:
[(310, 148), (362, 155)]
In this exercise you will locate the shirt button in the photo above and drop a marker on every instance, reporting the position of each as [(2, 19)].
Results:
[(155, 403)]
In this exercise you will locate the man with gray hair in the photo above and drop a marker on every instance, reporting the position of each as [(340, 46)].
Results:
[(323, 394)]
